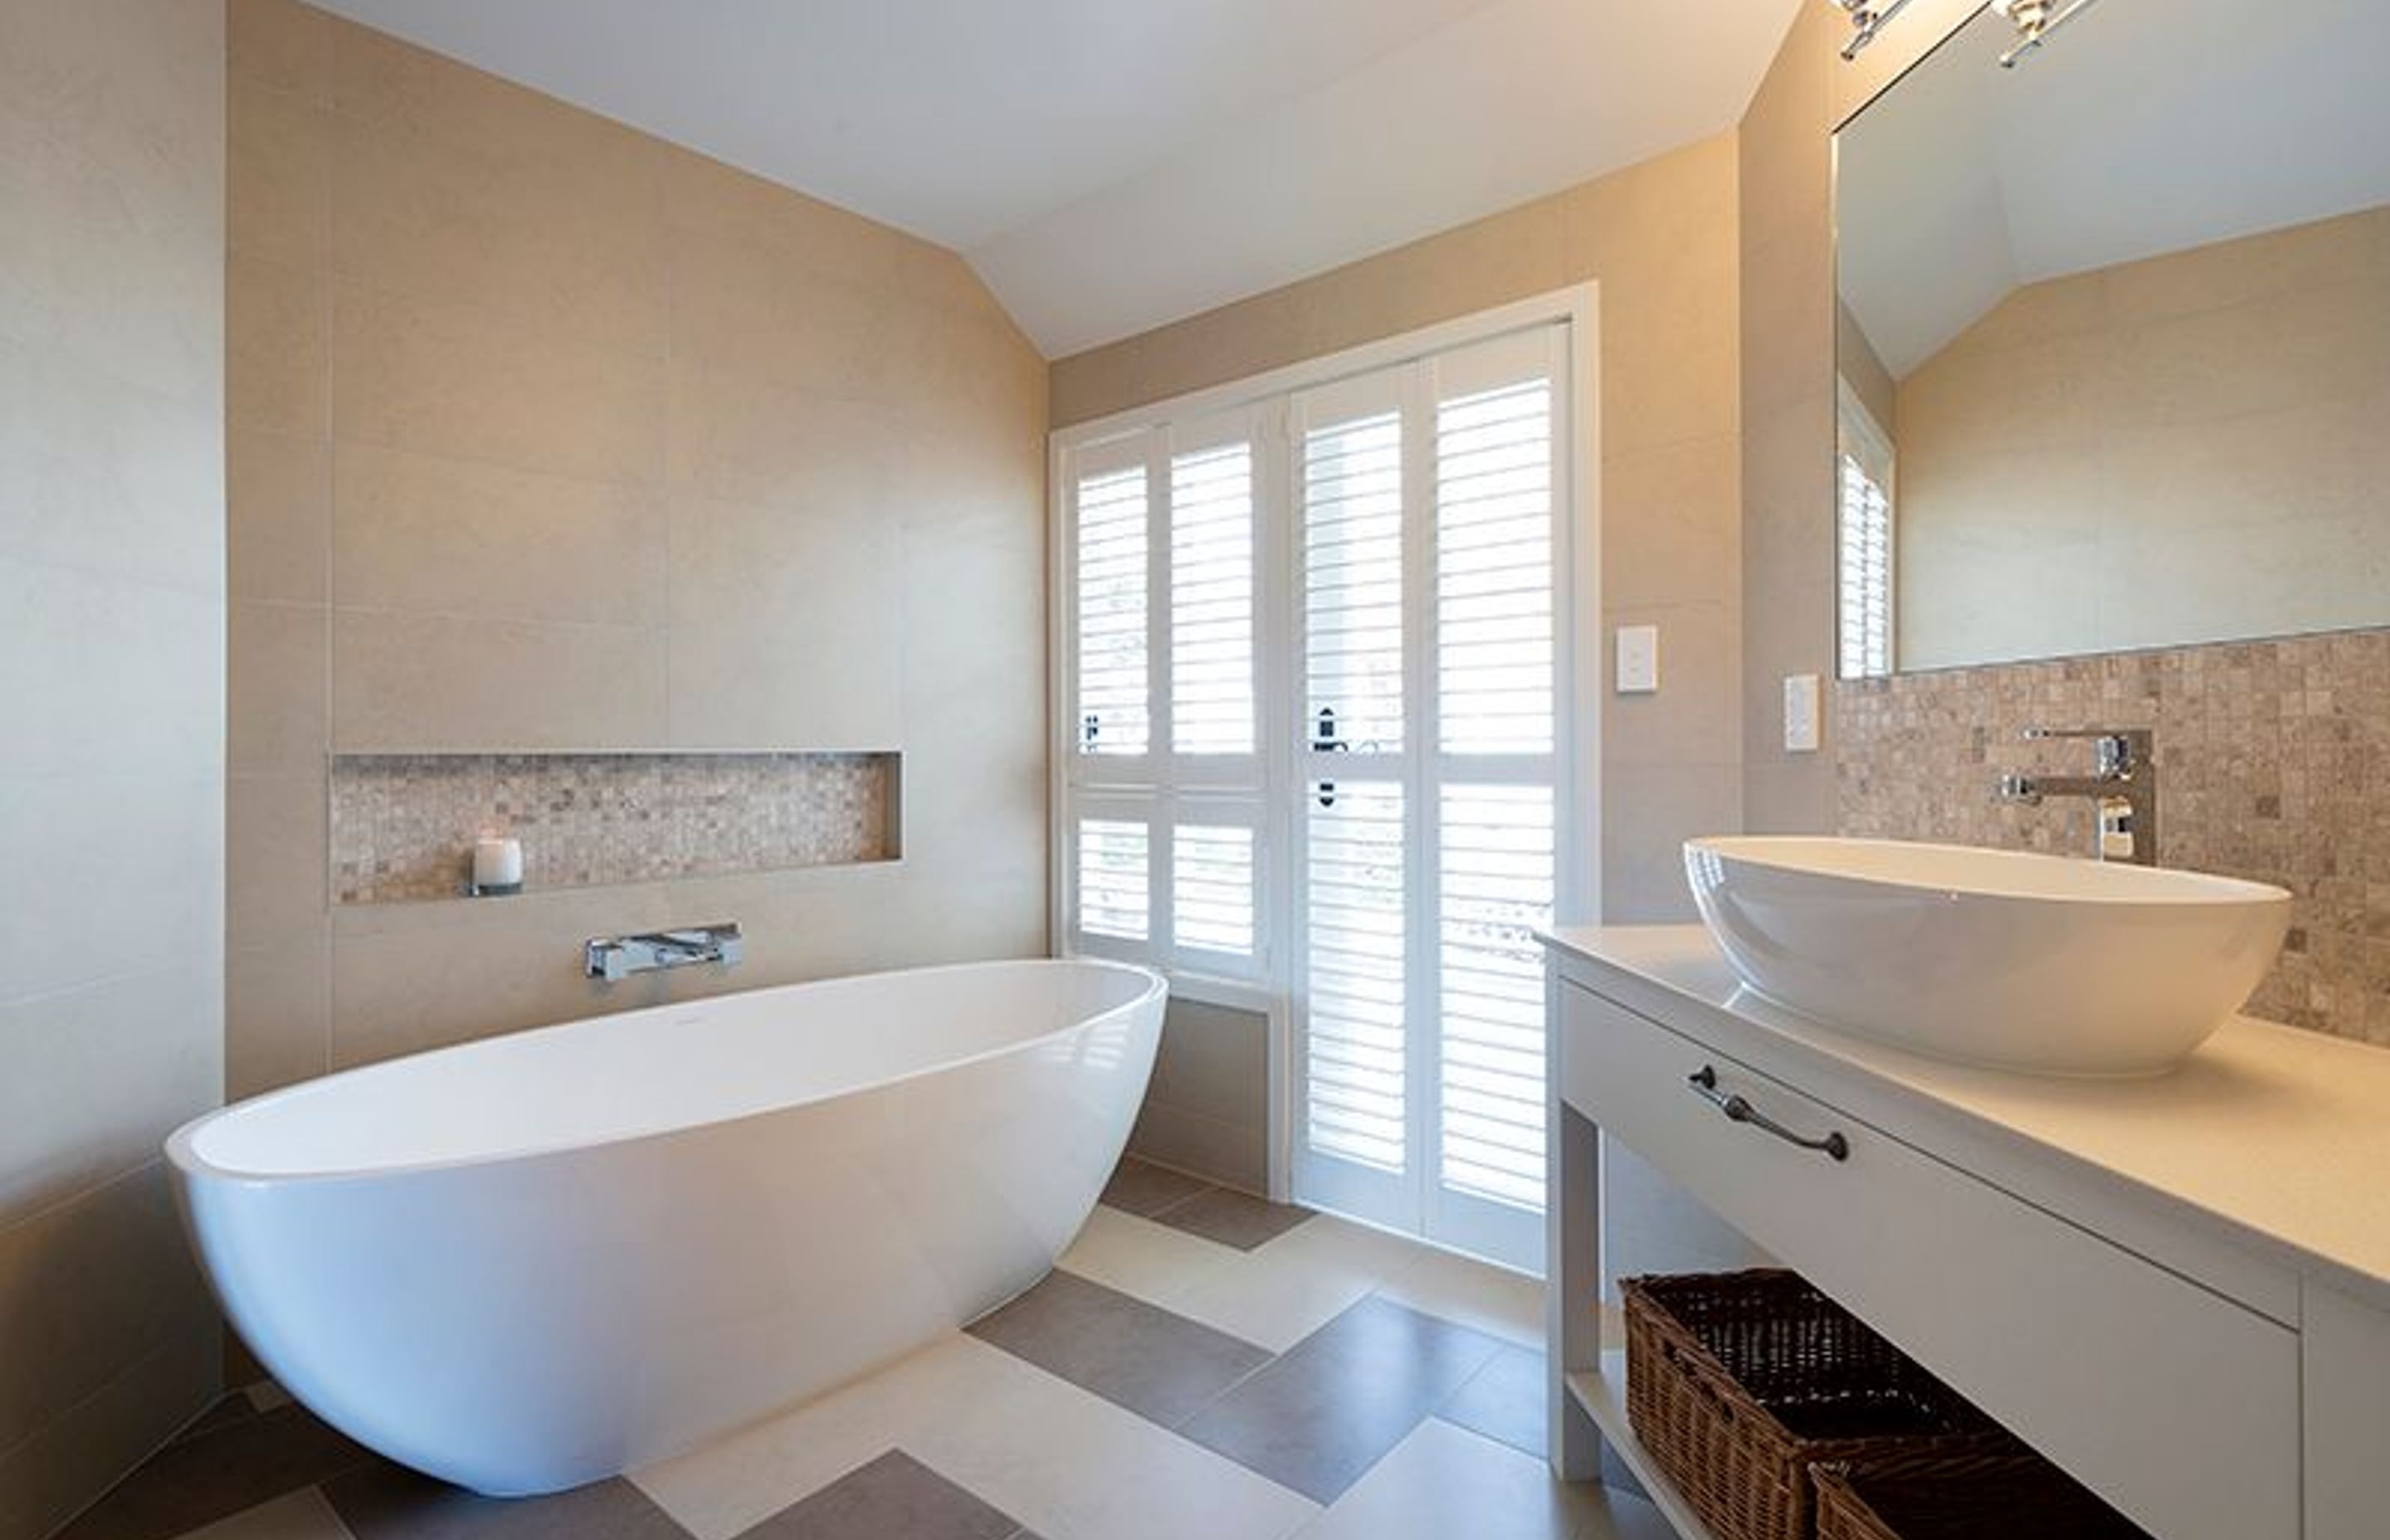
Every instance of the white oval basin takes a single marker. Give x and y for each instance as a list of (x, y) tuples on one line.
[(1994, 958)]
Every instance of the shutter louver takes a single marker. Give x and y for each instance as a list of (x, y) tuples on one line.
[(1495, 636), (1353, 582), (1211, 887), (1113, 715), (1493, 892), (1353, 992), (1211, 601), (1866, 586), (1114, 894)]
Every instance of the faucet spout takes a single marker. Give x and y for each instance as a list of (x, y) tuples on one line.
[(2122, 789)]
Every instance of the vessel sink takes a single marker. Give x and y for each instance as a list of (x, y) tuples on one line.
[(2017, 961)]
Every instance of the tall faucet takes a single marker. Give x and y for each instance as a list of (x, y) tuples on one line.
[(2122, 790)]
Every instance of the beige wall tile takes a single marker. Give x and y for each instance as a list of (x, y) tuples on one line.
[(1647, 813), (1696, 716), (276, 883), (1672, 524), (97, 1077), (51, 1475), (1214, 1061), (278, 686), (282, 45), (476, 385), (755, 439), (122, 870), (278, 178), (426, 534), (278, 350), (432, 683), (278, 517), (1232, 1153), (279, 1013)]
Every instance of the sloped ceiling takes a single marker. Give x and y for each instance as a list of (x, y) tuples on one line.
[(2141, 129), (1110, 166)]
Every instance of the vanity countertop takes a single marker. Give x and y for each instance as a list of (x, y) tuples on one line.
[(2278, 1136)]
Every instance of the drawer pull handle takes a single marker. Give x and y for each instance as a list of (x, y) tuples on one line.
[(1704, 1083)]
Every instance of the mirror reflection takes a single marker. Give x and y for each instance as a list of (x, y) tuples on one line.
[(2114, 337)]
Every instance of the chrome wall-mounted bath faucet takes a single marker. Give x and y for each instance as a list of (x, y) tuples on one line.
[(614, 959), (2122, 790)]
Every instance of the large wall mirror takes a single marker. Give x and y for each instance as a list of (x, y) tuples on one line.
[(2114, 336)]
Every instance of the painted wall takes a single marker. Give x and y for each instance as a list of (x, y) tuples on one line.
[(111, 768), (547, 435), (2180, 450)]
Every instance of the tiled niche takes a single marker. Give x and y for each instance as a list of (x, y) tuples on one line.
[(2273, 764), (402, 826)]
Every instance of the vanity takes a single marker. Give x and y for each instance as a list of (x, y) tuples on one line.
[(2177, 1288)]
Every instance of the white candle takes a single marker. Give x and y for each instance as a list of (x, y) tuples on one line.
[(497, 862)]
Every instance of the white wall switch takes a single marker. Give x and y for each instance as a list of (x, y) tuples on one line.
[(1638, 660), (1800, 713)]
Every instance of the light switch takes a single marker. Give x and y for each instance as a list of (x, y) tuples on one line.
[(1638, 660), (1800, 713)]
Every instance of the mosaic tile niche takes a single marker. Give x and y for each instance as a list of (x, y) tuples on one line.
[(403, 825), (2273, 764)]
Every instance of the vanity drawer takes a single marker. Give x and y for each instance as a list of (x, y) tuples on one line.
[(2179, 1405)]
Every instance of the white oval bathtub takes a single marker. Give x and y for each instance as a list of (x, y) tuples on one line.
[(535, 1260)]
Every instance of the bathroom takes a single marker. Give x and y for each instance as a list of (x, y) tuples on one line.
[(608, 518)]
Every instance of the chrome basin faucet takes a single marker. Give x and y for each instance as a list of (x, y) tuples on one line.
[(614, 959), (2122, 790)]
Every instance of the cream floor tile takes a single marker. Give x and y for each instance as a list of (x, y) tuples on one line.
[(1138, 1256), (1445, 1480), (1063, 1462), (301, 1515), (1472, 1293), (1281, 1292)]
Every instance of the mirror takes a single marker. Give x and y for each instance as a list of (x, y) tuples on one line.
[(2114, 336)]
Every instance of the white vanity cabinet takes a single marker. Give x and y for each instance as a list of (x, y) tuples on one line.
[(2104, 1266)]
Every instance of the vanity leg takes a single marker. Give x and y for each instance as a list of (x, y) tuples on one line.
[(1572, 1275)]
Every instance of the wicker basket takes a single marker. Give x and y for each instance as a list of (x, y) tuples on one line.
[(1738, 1382), (1961, 1497)]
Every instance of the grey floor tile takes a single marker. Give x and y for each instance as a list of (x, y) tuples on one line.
[(1160, 1366), (1504, 1400), (1145, 1189), (229, 1409), (214, 1475), (1335, 1403), (1232, 1218), (382, 1501), (893, 1497)]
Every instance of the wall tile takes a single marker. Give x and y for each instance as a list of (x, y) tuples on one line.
[(278, 350), (415, 682), (278, 188), (121, 872), (281, 46), (104, 674), (473, 384), (97, 1077), (1647, 813), (1672, 525), (428, 536), (276, 706), (278, 886), (1696, 716), (279, 531), (48, 1476), (278, 1012)]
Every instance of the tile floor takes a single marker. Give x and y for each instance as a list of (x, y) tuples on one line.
[(1202, 1364)]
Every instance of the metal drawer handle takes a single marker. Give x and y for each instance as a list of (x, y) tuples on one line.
[(1704, 1083)]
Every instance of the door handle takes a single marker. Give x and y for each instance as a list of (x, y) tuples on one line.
[(1704, 1083)]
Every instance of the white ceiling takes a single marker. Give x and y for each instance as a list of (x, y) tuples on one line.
[(2142, 128), (1108, 165)]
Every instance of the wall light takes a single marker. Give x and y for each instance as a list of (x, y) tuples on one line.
[(1868, 17), (2034, 20)]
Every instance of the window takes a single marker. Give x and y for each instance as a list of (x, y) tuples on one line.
[(1864, 541), (1329, 782)]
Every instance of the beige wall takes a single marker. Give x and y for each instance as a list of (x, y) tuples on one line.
[(1659, 238), (1207, 1109), (547, 435), (2183, 449), (112, 766)]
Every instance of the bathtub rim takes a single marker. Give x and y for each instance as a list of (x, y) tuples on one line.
[(180, 1147)]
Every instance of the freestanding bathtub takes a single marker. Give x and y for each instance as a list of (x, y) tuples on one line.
[(535, 1260)]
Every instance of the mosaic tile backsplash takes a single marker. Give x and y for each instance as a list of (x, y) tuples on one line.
[(403, 825), (2273, 764)]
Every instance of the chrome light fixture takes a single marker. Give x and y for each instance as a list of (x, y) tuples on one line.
[(1868, 17), (2034, 20)]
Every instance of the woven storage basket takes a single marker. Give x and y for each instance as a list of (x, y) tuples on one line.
[(1738, 1382), (1961, 1497)]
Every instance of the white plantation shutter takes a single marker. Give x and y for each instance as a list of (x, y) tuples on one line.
[(1864, 541), (1114, 879), (1495, 850), (1211, 601), (1113, 715), (1495, 636), (1353, 587), (1211, 889), (1356, 1042)]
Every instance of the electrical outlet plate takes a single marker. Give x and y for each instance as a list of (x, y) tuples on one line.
[(1801, 711), (1638, 660)]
